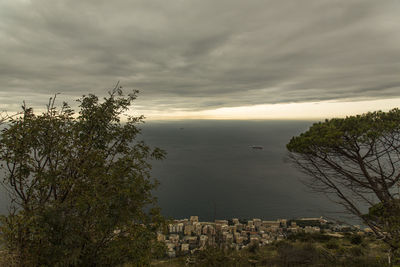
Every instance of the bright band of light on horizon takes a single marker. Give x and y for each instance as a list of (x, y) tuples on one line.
[(294, 111)]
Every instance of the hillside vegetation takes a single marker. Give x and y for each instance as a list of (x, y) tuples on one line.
[(298, 250)]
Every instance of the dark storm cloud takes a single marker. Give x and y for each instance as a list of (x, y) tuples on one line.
[(196, 55)]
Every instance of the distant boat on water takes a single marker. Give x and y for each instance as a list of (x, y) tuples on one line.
[(257, 147)]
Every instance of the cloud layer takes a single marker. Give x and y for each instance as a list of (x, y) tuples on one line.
[(200, 54)]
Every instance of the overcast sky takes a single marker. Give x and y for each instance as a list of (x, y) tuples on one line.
[(198, 58)]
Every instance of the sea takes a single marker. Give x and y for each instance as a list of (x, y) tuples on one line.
[(212, 171)]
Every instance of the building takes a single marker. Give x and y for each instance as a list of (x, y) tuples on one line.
[(194, 219)]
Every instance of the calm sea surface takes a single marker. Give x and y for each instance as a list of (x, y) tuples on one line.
[(211, 170)]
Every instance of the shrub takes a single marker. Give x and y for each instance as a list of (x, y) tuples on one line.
[(332, 244), (356, 239)]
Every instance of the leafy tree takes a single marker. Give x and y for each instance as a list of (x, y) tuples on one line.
[(356, 162), (80, 185)]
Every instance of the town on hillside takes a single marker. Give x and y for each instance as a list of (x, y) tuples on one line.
[(190, 235)]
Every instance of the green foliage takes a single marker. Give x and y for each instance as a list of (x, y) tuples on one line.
[(354, 160), (356, 239), (332, 244), (293, 253), (80, 185), (253, 248), (313, 237), (334, 133), (216, 257), (387, 216), (356, 251)]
